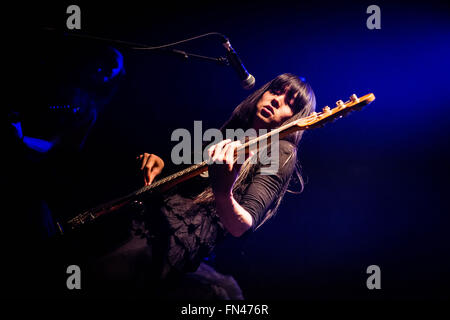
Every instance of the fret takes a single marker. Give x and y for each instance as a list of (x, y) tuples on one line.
[(312, 121)]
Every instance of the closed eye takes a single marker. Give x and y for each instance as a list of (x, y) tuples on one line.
[(276, 92)]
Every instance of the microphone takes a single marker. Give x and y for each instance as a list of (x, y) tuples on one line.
[(247, 80)]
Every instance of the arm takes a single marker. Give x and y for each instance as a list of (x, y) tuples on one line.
[(39, 145), (259, 196), (36, 144), (223, 173), (233, 216), (73, 134)]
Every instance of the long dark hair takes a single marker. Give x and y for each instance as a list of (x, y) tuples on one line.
[(242, 118)]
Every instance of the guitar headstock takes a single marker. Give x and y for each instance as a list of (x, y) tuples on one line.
[(341, 110)]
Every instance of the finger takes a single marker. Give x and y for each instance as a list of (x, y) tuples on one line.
[(228, 152), (220, 155), (148, 169), (144, 160), (218, 150), (152, 170), (150, 163), (210, 153), (151, 177), (221, 145), (229, 155)]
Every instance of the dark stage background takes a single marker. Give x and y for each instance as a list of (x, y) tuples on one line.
[(377, 181)]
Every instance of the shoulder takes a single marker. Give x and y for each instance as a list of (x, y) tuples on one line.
[(287, 148), (287, 152), (279, 160)]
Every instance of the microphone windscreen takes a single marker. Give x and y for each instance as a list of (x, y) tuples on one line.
[(249, 82)]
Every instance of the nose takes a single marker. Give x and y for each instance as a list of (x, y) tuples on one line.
[(275, 103)]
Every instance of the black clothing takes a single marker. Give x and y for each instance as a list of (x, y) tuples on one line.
[(177, 233), (195, 229), (263, 190)]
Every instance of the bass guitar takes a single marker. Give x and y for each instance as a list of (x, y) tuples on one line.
[(312, 121)]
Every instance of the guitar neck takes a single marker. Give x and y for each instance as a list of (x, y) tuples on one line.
[(164, 184)]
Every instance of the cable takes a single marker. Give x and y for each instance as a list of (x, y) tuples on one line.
[(137, 46), (181, 41)]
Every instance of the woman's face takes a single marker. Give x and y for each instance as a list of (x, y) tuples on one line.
[(272, 110)]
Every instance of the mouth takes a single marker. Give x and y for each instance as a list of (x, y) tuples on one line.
[(267, 111)]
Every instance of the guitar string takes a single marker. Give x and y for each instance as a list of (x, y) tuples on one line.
[(317, 117), (83, 216)]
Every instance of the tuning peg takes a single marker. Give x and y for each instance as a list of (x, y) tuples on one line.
[(354, 98), (326, 109), (340, 103)]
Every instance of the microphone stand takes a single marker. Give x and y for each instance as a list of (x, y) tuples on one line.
[(130, 45), (186, 55)]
